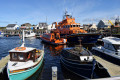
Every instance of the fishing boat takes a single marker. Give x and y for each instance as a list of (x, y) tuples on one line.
[(24, 62), (29, 33), (71, 30), (53, 38), (110, 49), (80, 61), (1, 34)]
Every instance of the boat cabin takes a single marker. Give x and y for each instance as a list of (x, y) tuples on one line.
[(52, 36), (68, 25), (77, 55), (23, 54), (112, 43)]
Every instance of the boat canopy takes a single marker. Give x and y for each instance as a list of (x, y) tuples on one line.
[(111, 40)]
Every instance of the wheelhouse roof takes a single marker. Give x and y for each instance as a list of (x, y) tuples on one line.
[(111, 40), (28, 49)]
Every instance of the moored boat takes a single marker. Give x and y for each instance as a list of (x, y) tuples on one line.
[(53, 38), (110, 50), (71, 30), (80, 61), (1, 34), (29, 33), (24, 62)]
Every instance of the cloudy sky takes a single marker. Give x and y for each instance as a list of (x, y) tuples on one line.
[(35, 11)]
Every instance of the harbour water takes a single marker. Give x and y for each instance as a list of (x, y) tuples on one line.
[(52, 57)]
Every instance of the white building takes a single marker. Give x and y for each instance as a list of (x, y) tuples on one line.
[(105, 23), (50, 27), (12, 26), (93, 27), (41, 26)]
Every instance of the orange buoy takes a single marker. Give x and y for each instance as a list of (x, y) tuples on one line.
[(20, 48)]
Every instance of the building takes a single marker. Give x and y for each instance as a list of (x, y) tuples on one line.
[(42, 26), (105, 23), (12, 26), (26, 26), (93, 27), (86, 26), (50, 27)]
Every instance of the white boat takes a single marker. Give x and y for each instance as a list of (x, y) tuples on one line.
[(110, 50), (24, 62), (1, 34), (29, 33)]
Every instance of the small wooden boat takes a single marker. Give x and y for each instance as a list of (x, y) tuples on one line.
[(53, 38), (24, 62), (81, 62)]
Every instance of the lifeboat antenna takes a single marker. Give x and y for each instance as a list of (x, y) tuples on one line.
[(23, 44)]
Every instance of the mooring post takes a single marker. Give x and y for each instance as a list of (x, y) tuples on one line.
[(54, 73)]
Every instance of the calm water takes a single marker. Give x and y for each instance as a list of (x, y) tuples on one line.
[(52, 57)]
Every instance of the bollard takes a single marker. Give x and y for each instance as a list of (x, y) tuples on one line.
[(54, 73)]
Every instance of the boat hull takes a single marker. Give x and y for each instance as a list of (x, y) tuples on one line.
[(24, 74), (82, 70), (47, 41), (107, 56), (85, 37)]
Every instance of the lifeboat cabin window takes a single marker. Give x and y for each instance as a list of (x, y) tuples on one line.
[(73, 25), (70, 25)]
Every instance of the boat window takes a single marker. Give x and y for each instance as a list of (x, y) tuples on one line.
[(21, 57), (63, 26), (73, 25), (70, 25), (108, 46), (117, 47), (14, 56), (76, 25)]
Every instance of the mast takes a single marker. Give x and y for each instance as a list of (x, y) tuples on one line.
[(23, 44)]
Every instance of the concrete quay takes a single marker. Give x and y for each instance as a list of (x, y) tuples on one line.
[(113, 69), (3, 63)]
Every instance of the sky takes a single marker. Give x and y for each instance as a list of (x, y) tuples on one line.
[(35, 11)]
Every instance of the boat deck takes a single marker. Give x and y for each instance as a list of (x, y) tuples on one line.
[(113, 69), (3, 62)]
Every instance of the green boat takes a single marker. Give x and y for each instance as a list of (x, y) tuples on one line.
[(24, 62)]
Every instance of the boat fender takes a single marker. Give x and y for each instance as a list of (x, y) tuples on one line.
[(64, 40)]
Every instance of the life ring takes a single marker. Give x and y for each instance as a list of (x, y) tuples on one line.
[(20, 48)]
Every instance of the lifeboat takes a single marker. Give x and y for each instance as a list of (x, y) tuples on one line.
[(71, 30), (53, 38)]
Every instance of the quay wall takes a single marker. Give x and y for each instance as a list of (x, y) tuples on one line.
[(17, 32)]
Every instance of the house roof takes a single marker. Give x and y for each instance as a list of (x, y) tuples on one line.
[(26, 24), (11, 25)]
